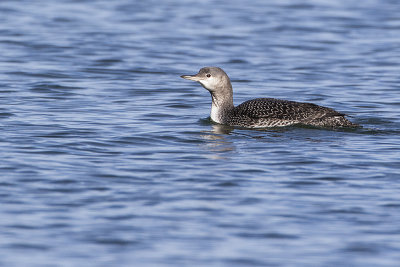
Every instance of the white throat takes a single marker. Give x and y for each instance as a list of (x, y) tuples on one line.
[(221, 94), (215, 113)]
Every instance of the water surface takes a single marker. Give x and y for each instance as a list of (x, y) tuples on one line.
[(108, 157)]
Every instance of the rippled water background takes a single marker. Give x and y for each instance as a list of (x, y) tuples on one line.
[(108, 158)]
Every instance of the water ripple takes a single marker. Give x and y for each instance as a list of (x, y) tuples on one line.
[(106, 149)]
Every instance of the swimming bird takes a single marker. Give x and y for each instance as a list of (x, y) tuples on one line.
[(261, 112)]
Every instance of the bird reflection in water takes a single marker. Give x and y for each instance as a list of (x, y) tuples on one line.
[(216, 140)]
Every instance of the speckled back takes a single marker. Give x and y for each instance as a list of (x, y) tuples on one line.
[(270, 112)]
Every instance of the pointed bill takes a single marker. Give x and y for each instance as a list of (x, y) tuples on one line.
[(195, 78)]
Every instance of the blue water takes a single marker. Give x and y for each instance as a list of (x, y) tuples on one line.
[(108, 157)]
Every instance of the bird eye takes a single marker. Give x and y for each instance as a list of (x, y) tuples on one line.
[(208, 75)]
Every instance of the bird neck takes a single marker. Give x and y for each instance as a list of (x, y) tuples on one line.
[(222, 104)]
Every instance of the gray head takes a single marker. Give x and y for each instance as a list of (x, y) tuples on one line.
[(214, 79)]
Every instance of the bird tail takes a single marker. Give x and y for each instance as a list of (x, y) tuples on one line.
[(334, 121)]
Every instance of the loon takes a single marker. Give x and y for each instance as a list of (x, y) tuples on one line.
[(261, 112)]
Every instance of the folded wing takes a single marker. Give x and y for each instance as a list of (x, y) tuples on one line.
[(271, 108)]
